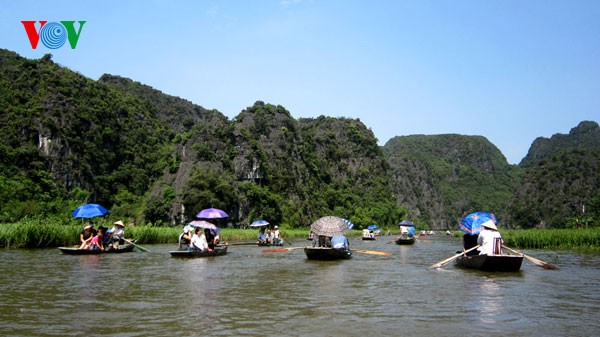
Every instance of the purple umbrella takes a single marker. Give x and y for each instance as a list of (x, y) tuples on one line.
[(211, 213)]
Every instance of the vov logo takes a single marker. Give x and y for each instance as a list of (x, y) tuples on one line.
[(53, 34)]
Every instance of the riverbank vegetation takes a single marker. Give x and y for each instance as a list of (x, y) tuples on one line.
[(42, 233)]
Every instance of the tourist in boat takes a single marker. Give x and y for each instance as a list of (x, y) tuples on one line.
[(262, 237), (489, 239), (118, 233), (199, 241), (340, 242), (185, 239), (470, 241), (323, 241), (87, 232), (269, 237), (95, 242), (210, 238), (276, 236)]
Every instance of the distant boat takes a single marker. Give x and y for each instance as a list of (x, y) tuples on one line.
[(501, 263), (126, 248), (219, 250), (326, 253)]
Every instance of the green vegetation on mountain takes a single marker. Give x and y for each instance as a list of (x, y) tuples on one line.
[(157, 159), (444, 177)]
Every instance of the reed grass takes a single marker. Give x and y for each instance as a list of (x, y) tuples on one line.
[(553, 238), (44, 232)]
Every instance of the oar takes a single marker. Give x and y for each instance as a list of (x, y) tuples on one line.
[(137, 246), (253, 243), (281, 250), (533, 260), (450, 259), (372, 252), (393, 240)]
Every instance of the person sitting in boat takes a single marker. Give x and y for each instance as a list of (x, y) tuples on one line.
[(276, 236), (210, 238), (185, 238), (322, 241), (199, 241), (489, 239), (404, 232), (262, 237), (118, 233), (269, 237), (95, 242), (366, 233), (340, 242), (87, 232), (470, 241)]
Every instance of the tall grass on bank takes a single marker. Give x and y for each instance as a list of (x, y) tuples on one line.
[(552, 238), (42, 232)]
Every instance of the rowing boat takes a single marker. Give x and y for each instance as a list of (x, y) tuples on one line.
[(126, 248), (504, 263), (326, 253), (406, 241), (221, 250)]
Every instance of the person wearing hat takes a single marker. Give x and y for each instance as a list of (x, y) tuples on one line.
[(490, 240), (276, 236), (118, 233), (185, 239), (87, 232)]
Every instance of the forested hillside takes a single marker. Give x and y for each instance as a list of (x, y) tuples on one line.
[(157, 159), (442, 178)]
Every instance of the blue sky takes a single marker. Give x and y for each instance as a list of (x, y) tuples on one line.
[(510, 71)]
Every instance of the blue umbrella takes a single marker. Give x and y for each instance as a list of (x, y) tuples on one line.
[(371, 227), (350, 224), (211, 213), (89, 211), (259, 223), (471, 224)]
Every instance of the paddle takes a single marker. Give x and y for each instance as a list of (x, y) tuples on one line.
[(393, 240), (372, 252), (448, 260), (137, 246), (533, 260), (281, 250), (250, 243)]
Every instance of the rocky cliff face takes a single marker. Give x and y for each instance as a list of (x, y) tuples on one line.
[(444, 177)]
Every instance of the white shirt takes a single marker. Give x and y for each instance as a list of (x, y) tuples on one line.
[(487, 240), (199, 241), (118, 232)]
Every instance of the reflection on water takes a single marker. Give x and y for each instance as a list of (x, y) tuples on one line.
[(283, 294), (489, 300)]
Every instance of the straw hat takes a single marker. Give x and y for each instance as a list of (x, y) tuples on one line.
[(119, 223), (489, 224)]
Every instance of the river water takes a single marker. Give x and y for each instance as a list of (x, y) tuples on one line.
[(249, 293)]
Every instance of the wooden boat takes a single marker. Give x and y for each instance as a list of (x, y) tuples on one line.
[(221, 250), (504, 263), (326, 253), (369, 238), (126, 248), (406, 241)]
